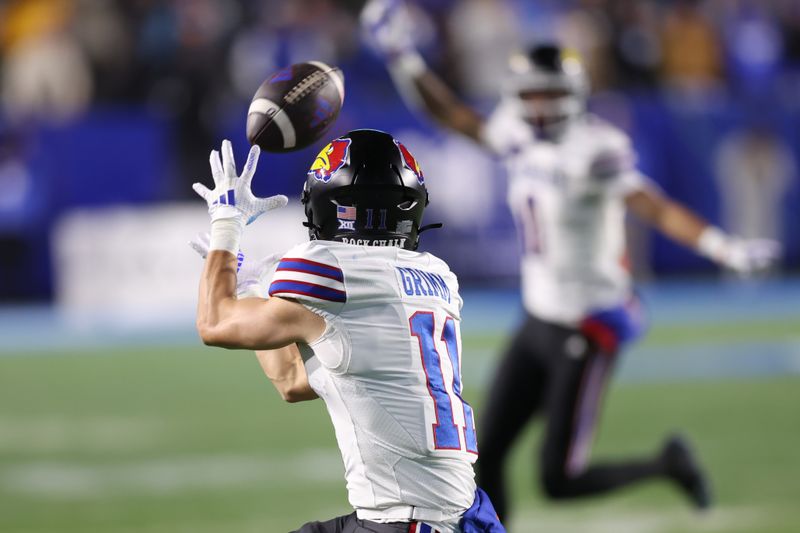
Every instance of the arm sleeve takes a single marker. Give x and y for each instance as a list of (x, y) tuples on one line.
[(310, 274)]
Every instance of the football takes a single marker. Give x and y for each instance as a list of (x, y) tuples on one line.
[(295, 106)]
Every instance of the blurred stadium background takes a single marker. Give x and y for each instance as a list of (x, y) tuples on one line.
[(114, 418)]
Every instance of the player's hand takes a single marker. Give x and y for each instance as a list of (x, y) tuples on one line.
[(249, 273), (750, 256), (388, 28), (232, 197)]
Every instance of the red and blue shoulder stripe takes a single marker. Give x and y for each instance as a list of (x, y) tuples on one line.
[(288, 287), (298, 277), (293, 264)]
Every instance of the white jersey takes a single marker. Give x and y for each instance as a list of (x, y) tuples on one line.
[(568, 201), (388, 368)]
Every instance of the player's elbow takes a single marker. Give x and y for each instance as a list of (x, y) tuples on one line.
[(297, 393), (291, 396), (208, 336), (213, 335), (204, 331)]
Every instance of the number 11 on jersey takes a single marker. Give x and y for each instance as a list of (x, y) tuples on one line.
[(446, 434)]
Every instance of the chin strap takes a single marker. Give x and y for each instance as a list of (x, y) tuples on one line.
[(314, 229), (437, 225)]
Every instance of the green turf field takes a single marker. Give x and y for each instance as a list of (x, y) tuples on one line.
[(195, 440)]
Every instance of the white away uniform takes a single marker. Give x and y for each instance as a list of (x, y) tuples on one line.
[(388, 369), (567, 199)]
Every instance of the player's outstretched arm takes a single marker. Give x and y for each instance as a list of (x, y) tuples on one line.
[(743, 256), (249, 323), (387, 26), (271, 327), (283, 366), (222, 319)]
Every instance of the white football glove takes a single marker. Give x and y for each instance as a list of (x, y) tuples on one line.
[(745, 257), (388, 28), (252, 276), (232, 198), (749, 256)]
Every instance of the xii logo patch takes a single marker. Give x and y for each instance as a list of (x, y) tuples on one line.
[(346, 215)]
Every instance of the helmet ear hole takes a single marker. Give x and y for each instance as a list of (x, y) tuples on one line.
[(407, 205)]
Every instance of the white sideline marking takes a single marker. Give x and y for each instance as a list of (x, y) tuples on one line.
[(613, 519), (74, 480), (256, 521), (95, 433)]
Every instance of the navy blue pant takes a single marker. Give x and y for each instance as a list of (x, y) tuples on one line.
[(351, 524), (559, 373), (481, 517)]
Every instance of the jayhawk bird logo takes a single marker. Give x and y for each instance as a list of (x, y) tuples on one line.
[(330, 159)]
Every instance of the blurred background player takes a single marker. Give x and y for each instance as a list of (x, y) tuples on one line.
[(572, 178), (376, 324)]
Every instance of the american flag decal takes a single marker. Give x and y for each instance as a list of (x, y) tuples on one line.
[(344, 212)]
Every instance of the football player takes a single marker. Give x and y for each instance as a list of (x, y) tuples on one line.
[(572, 177), (359, 318)]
